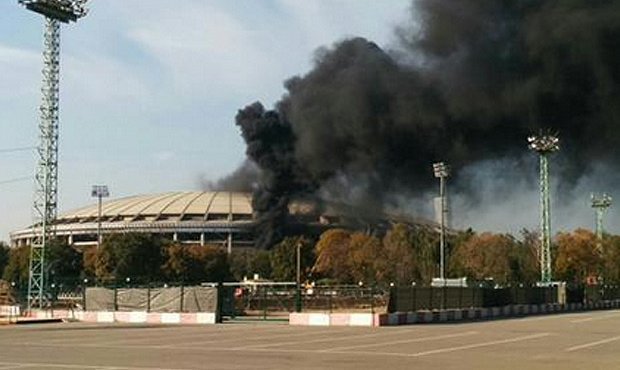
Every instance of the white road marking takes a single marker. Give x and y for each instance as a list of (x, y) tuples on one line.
[(414, 340), (262, 337), (594, 318), (47, 365), (173, 338), (329, 339), (541, 317), (478, 345), (582, 320), (592, 344)]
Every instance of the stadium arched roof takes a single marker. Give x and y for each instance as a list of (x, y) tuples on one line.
[(203, 217), (179, 206)]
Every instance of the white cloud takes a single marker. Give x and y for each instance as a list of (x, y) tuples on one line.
[(320, 20), (101, 80), (205, 49), (20, 70)]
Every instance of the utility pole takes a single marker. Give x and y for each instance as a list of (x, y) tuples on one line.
[(46, 176), (442, 171), (544, 145)]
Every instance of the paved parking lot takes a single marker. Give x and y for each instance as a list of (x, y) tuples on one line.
[(569, 341)]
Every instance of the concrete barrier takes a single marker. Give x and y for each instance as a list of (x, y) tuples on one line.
[(439, 316), (9, 311), (132, 317)]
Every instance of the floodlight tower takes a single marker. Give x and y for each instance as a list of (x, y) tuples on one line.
[(442, 171), (600, 205), (46, 176), (544, 145)]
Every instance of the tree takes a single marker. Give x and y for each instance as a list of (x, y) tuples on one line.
[(246, 263), (426, 246), (176, 260), (524, 261), (18, 266), (284, 259), (399, 264), (133, 255), (577, 256), (611, 255), (484, 256), (89, 262), (4, 257), (195, 264), (365, 256), (332, 255), (63, 263)]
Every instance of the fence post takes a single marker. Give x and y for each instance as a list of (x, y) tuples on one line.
[(148, 297), (372, 300), (84, 295), (264, 298), (473, 297), (329, 300), (115, 298), (298, 297), (220, 303), (443, 296), (182, 295)]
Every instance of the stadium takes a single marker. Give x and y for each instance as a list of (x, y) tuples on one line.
[(219, 218), (222, 218)]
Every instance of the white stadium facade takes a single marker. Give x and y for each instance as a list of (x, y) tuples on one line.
[(203, 217)]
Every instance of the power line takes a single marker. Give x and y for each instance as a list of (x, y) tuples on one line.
[(17, 179), (18, 149)]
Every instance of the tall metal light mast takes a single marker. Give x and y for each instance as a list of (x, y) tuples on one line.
[(46, 176), (442, 171), (544, 145), (600, 205)]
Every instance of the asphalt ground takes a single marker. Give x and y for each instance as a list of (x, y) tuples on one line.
[(587, 340)]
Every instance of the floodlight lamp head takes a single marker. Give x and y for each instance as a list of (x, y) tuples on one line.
[(441, 169), (100, 191), (603, 202), (544, 143), (61, 10)]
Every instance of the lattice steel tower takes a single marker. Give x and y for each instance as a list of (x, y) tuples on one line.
[(544, 145), (46, 176), (600, 205)]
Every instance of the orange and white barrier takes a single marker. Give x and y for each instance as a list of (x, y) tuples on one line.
[(440, 316), (134, 317)]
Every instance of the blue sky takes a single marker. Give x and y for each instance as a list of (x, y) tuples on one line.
[(149, 88)]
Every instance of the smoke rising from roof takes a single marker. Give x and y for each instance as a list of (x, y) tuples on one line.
[(468, 82)]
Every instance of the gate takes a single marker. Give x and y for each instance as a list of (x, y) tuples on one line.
[(262, 301)]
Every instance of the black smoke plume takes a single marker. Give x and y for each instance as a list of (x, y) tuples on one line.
[(469, 81)]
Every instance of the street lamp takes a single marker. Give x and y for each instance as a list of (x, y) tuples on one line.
[(442, 171), (544, 145), (99, 191)]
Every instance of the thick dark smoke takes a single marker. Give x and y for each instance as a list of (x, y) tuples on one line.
[(270, 144), (469, 81)]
